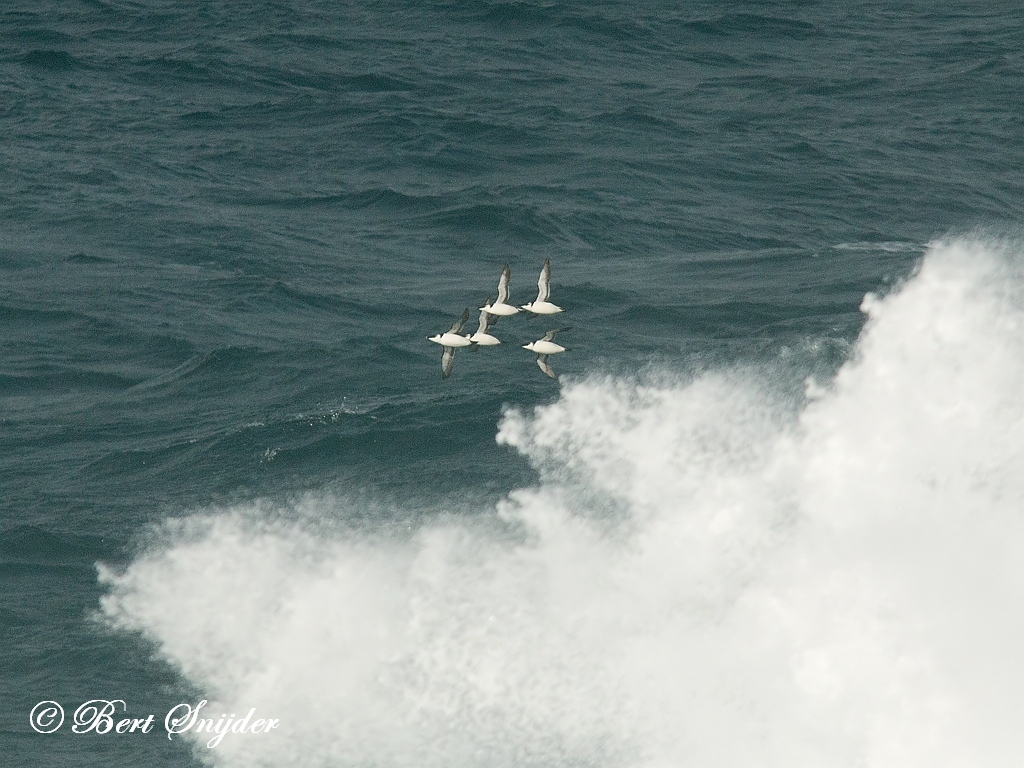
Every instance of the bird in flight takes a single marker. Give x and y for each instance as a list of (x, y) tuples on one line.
[(541, 306), (450, 340), (545, 347)]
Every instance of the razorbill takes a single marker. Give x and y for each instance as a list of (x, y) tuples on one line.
[(501, 305), (542, 306), (482, 337), (544, 347), (450, 340)]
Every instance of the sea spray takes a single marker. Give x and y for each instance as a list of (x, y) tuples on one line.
[(704, 576)]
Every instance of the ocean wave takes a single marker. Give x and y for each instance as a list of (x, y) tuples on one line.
[(709, 572)]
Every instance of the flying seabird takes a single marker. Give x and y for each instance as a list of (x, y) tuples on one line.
[(482, 337), (501, 305), (450, 340), (542, 306), (544, 347)]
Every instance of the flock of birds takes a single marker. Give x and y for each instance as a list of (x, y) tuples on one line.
[(489, 314)]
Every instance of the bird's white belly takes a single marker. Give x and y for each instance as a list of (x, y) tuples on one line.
[(503, 310), (547, 348), (544, 308), (484, 339), (451, 340)]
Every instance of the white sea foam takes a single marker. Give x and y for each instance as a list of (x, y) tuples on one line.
[(705, 576)]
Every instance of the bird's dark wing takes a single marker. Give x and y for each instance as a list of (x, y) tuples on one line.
[(542, 361), (457, 328), (550, 335), (486, 320), (447, 362), (506, 273), (544, 283)]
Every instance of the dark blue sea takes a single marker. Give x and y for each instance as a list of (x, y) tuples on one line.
[(769, 513)]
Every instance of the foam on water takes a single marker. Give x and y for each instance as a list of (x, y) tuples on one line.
[(706, 575)]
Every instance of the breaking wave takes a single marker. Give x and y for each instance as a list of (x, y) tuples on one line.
[(707, 574)]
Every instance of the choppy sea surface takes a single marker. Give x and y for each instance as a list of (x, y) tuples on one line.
[(771, 512)]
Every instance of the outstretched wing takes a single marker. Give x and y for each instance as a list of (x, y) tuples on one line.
[(550, 335), (447, 362), (506, 273), (457, 328), (544, 283), (542, 361), (486, 320)]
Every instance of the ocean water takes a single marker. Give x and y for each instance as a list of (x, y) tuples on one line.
[(771, 513)]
